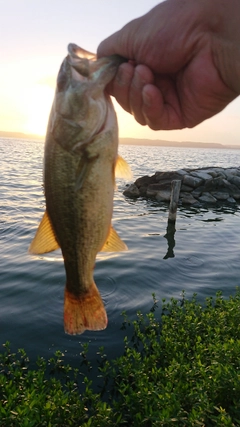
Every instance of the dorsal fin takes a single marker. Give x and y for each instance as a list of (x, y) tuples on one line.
[(45, 239)]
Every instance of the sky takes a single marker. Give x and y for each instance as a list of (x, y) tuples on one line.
[(34, 35)]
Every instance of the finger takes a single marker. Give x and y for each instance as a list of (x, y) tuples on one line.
[(152, 108), (121, 42), (108, 46), (159, 114), (120, 85), (142, 76)]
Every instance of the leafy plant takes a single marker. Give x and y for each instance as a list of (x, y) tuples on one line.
[(180, 367)]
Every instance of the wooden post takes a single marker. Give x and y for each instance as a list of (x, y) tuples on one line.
[(176, 185)]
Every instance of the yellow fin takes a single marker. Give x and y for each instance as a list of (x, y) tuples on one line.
[(122, 169), (44, 240), (114, 243)]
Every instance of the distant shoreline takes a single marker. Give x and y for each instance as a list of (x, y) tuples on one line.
[(134, 141), (179, 144), (21, 135)]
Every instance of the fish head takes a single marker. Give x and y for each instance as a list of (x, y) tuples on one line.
[(81, 105)]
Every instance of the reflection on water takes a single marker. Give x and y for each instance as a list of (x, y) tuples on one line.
[(200, 255), (171, 230), (212, 220)]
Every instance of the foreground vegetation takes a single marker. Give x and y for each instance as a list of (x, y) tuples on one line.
[(181, 367)]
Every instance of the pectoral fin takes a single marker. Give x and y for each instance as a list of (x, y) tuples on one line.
[(122, 169), (114, 243), (44, 240), (83, 170)]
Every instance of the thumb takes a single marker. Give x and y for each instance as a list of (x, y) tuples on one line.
[(111, 46), (121, 42)]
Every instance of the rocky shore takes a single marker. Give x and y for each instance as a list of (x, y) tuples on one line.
[(210, 185)]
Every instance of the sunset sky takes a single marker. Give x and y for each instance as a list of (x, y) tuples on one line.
[(33, 42)]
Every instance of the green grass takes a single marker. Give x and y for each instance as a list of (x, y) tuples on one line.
[(180, 367)]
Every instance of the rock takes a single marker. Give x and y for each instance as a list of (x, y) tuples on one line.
[(153, 189), (197, 192), (186, 188), (183, 194), (215, 171), (213, 184), (143, 191), (131, 191), (234, 180), (231, 200), (205, 185), (207, 198), (221, 175), (229, 187), (164, 183), (231, 172), (163, 196), (236, 195), (212, 172), (220, 195), (168, 176), (188, 199), (201, 175), (145, 181), (192, 181), (181, 172)]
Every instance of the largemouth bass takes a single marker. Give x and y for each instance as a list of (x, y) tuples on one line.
[(80, 163)]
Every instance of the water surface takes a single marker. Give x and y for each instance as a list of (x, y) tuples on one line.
[(203, 258)]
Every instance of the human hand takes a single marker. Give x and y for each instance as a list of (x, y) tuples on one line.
[(184, 62)]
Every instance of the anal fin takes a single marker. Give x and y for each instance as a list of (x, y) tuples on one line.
[(44, 240), (114, 243), (84, 312)]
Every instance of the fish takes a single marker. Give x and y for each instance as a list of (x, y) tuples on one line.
[(81, 163)]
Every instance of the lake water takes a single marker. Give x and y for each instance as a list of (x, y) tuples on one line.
[(206, 252)]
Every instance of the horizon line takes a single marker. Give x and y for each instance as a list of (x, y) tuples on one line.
[(132, 141)]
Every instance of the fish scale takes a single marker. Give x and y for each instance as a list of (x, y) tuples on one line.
[(80, 163)]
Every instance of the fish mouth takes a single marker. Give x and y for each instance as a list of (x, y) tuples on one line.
[(87, 65), (81, 66), (77, 52), (82, 108)]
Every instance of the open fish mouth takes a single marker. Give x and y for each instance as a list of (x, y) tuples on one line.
[(86, 63)]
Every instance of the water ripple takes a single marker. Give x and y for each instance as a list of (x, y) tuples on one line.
[(204, 250)]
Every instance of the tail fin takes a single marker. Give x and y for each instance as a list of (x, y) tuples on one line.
[(84, 312)]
